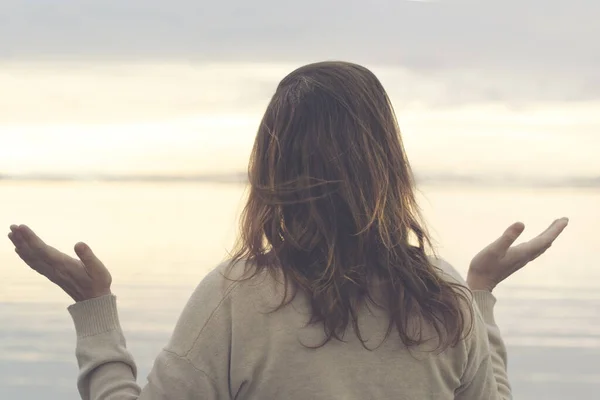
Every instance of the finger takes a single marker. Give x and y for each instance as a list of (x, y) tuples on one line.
[(551, 233), (15, 236), (18, 242), (510, 235), (38, 248), (544, 240), (17, 239), (92, 264), (557, 227), (30, 237), (41, 258), (26, 255), (22, 255)]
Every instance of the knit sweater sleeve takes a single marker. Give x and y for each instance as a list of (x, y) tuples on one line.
[(107, 368), (486, 376)]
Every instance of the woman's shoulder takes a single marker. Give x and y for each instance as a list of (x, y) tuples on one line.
[(239, 283), (227, 291), (447, 271)]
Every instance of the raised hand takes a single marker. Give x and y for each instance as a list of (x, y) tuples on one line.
[(81, 279), (499, 260)]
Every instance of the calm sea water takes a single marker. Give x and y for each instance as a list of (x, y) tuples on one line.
[(159, 240)]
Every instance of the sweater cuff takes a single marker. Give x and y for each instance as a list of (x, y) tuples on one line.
[(485, 302), (95, 316)]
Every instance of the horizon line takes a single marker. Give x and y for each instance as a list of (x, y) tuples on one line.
[(241, 178)]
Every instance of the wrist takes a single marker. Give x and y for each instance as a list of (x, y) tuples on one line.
[(93, 295), (480, 283), (95, 316)]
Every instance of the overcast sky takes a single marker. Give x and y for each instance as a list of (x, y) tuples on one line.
[(555, 42), (452, 67)]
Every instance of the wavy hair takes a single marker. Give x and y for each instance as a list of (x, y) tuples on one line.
[(332, 209)]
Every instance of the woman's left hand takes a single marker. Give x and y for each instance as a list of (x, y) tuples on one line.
[(501, 259), (81, 279)]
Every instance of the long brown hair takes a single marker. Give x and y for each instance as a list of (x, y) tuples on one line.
[(332, 208)]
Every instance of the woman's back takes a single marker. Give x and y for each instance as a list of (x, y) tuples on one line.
[(332, 210), (230, 335)]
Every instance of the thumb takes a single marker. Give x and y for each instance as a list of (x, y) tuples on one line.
[(92, 263), (510, 235)]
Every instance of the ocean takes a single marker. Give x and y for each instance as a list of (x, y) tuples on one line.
[(160, 239)]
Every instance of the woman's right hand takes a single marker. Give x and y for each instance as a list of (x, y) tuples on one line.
[(500, 259), (82, 279)]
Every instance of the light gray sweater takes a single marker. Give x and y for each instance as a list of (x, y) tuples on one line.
[(227, 345)]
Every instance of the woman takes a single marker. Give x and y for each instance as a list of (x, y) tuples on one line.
[(332, 293)]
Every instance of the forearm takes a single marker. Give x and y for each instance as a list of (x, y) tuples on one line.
[(107, 369), (485, 302)]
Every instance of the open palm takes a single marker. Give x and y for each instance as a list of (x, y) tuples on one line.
[(500, 259), (81, 279)]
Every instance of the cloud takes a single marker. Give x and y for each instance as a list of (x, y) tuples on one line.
[(509, 50)]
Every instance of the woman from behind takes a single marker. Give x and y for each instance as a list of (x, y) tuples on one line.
[(333, 291)]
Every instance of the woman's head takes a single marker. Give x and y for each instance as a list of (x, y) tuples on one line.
[(332, 205)]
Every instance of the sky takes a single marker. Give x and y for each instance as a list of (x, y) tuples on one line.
[(479, 86)]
